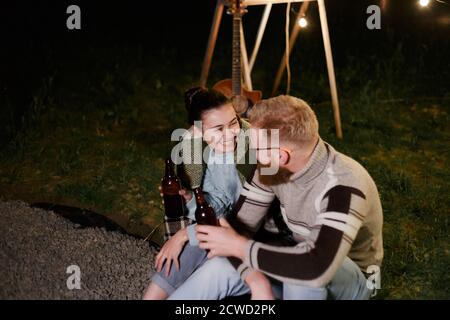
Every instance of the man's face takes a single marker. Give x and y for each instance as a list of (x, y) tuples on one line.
[(265, 148), (270, 155)]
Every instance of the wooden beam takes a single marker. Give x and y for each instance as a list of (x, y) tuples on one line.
[(211, 43), (262, 28), (264, 2), (330, 67)]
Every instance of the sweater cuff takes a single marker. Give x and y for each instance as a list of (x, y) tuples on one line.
[(193, 241), (250, 254), (244, 270)]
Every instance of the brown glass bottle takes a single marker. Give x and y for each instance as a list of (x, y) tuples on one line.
[(204, 214), (170, 187)]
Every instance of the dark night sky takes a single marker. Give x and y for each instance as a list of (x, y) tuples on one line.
[(134, 20), (34, 34), (185, 24)]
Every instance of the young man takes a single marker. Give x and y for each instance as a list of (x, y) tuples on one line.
[(328, 200)]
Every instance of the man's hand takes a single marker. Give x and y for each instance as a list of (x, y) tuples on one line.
[(171, 251), (221, 241)]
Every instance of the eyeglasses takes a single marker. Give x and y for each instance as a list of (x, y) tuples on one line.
[(270, 148), (259, 149)]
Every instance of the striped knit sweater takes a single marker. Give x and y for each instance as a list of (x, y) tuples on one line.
[(332, 207)]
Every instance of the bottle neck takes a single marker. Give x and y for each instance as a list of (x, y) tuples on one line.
[(170, 172), (199, 197)]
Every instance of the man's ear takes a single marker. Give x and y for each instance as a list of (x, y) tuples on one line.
[(284, 157)]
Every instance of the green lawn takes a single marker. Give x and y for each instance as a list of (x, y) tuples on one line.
[(99, 143)]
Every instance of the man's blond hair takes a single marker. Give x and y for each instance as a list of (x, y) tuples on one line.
[(294, 118)]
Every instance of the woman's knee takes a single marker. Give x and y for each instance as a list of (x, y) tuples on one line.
[(218, 266)]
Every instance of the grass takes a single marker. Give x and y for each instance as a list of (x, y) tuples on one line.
[(98, 142), (407, 155)]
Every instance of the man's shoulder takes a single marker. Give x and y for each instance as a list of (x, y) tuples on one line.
[(347, 170)]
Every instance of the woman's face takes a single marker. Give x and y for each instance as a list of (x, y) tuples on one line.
[(220, 128)]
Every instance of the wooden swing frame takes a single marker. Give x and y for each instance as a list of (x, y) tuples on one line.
[(247, 65)]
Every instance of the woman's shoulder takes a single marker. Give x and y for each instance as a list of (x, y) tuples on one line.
[(245, 125), (190, 166)]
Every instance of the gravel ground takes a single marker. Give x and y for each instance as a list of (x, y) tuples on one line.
[(37, 247)]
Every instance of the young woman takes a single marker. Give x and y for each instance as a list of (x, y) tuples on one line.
[(221, 180)]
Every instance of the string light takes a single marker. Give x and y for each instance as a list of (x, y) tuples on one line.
[(302, 22), (424, 3)]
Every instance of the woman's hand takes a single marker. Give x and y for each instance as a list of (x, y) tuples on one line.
[(186, 194), (171, 251)]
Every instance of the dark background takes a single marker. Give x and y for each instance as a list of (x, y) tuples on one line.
[(36, 42)]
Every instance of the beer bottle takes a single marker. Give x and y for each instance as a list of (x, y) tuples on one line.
[(204, 214), (170, 186)]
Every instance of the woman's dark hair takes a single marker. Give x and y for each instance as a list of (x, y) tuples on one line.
[(199, 100)]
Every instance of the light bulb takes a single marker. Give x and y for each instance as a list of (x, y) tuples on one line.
[(302, 22), (424, 3)]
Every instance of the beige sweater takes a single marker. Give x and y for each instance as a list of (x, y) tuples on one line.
[(332, 207)]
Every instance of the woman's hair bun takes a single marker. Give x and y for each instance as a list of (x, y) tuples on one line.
[(199, 100), (190, 94)]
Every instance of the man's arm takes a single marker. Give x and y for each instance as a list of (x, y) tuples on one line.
[(249, 213), (252, 206), (315, 261)]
